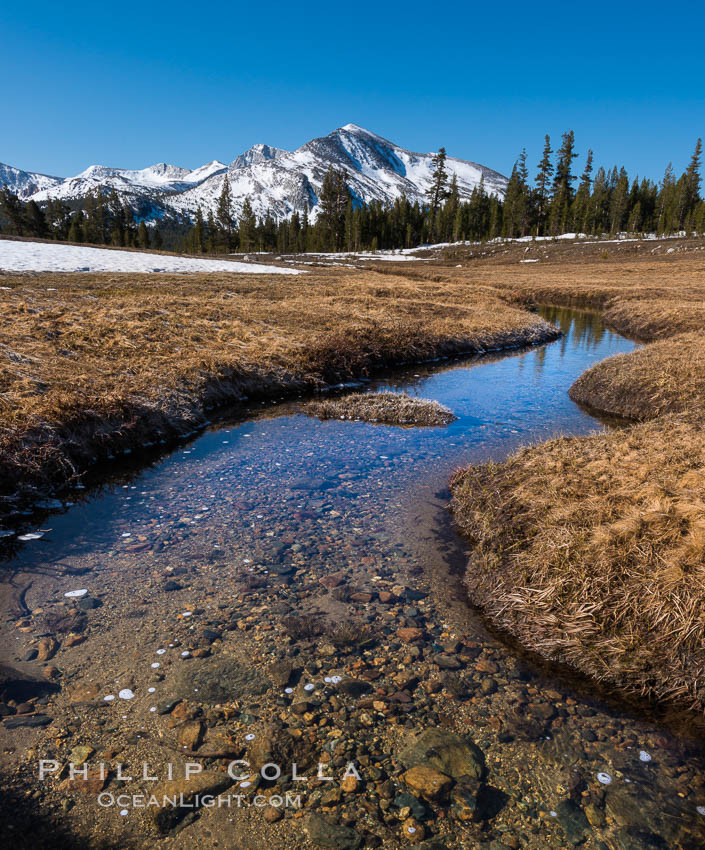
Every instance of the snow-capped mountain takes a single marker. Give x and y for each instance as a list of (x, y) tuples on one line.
[(25, 183), (276, 181)]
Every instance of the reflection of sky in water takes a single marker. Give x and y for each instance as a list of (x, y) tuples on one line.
[(232, 482)]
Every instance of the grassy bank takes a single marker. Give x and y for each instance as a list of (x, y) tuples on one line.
[(591, 550), (91, 365)]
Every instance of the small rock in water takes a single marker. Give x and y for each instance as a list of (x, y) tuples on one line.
[(88, 603), (74, 594), (126, 693)]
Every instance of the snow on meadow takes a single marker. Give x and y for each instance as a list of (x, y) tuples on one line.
[(57, 257)]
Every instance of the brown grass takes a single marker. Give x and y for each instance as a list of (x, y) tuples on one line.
[(92, 364), (663, 377), (592, 551), (384, 407)]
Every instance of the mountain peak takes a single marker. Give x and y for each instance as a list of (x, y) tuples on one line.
[(275, 181), (355, 129)]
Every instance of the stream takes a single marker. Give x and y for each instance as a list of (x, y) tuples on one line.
[(241, 525)]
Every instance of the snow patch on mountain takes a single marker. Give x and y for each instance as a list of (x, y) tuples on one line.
[(25, 183)]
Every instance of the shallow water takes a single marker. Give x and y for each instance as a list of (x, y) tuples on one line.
[(502, 401), (281, 486)]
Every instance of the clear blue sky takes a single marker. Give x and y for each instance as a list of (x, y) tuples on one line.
[(129, 84)]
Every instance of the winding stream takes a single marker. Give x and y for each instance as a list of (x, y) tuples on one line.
[(272, 489)]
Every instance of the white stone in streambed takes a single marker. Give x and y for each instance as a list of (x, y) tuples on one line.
[(109, 698), (604, 778), (126, 693), (74, 594), (31, 535), (644, 756)]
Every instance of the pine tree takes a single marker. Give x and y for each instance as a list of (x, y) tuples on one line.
[(199, 233), (688, 188), (543, 186), (248, 225), (12, 211), (618, 202), (582, 197), (516, 201), (438, 191), (76, 228), (333, 199), (562, 190), (143, 235), (224, 214), (667, 202)]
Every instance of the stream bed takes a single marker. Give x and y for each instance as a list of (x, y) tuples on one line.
[(309, 552)]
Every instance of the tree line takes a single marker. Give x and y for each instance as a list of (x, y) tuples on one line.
[(554, 201)]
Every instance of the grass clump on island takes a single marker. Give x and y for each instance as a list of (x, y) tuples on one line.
[(383, 407), (91, 364)]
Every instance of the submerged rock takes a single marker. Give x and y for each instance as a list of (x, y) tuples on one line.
[(216, 680), (451, 754), (323, 833)]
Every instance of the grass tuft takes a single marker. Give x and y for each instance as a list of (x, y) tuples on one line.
[(383, 407)]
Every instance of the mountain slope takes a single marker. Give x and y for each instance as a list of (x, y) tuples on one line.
[(377, 170), (25, 183), (276, 181)]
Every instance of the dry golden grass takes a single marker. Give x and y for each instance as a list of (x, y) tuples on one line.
[(384, 407), (592, 551), (663, 377), (94, 363)]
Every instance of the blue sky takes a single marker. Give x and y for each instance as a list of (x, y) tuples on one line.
[(131, 84)]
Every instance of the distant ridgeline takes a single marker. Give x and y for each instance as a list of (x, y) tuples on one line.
[(551, 204)]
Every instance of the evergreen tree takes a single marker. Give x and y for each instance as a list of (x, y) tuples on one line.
[(582, 196), (76, 228), (224, 215), (667, 202), (200, 232), (516, 201), (333, 201), (58, 217), (143, 235), (562, 190), (688, 188), (438, 191), (248, 225), (543, 187), (618, 202), (12, 210)]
